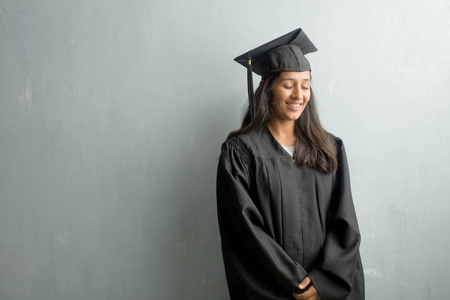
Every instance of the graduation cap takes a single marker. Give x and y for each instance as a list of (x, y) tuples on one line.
[(285, 53)]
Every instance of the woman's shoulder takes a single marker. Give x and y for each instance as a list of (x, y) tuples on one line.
[(248, 139), (246, 145), (236, 143), (251, 138)]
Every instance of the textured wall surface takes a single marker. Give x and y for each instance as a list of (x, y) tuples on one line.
[(112, 114)]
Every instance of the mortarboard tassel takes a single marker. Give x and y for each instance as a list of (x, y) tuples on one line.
[(251, 101)]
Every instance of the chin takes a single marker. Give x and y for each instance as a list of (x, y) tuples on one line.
[(294, 118)]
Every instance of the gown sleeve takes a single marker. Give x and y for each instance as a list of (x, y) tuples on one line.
[(253, 260), (339, 273)]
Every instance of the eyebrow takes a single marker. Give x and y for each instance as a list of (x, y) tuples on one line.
[(306, 79)]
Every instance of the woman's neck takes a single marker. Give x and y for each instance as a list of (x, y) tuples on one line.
[(283, 132)]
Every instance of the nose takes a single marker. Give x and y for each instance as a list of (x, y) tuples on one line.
[(297, 94)]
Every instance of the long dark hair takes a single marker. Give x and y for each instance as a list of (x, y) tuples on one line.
[(314, 146)]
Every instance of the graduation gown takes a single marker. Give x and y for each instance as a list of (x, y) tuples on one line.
[(280, 222)]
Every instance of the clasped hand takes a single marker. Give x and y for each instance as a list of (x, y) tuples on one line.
[(309, 294)]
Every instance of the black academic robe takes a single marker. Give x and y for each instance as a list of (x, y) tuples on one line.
[(280, 222)]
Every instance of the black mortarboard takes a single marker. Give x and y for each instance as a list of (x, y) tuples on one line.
[(285, 53)]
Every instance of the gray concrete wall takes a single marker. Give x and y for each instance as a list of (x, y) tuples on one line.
[(112, 114)]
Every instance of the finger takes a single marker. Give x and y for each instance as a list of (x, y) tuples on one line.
[(298, 296), (304, 283), (304, 296), (311, 293)]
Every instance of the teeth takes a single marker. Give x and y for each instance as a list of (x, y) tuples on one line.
[(294, 104)]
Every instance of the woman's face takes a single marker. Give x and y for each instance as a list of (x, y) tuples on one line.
[(290, 94)]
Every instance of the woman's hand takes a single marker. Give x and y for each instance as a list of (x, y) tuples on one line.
[(310, 294)]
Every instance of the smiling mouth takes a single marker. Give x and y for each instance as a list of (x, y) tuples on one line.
[(294, 105)]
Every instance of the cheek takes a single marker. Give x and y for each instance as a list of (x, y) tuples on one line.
[(277, 100), (306, 101), (308, 95), (276, 96)]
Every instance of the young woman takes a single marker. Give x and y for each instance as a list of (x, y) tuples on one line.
[(286, 214)]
